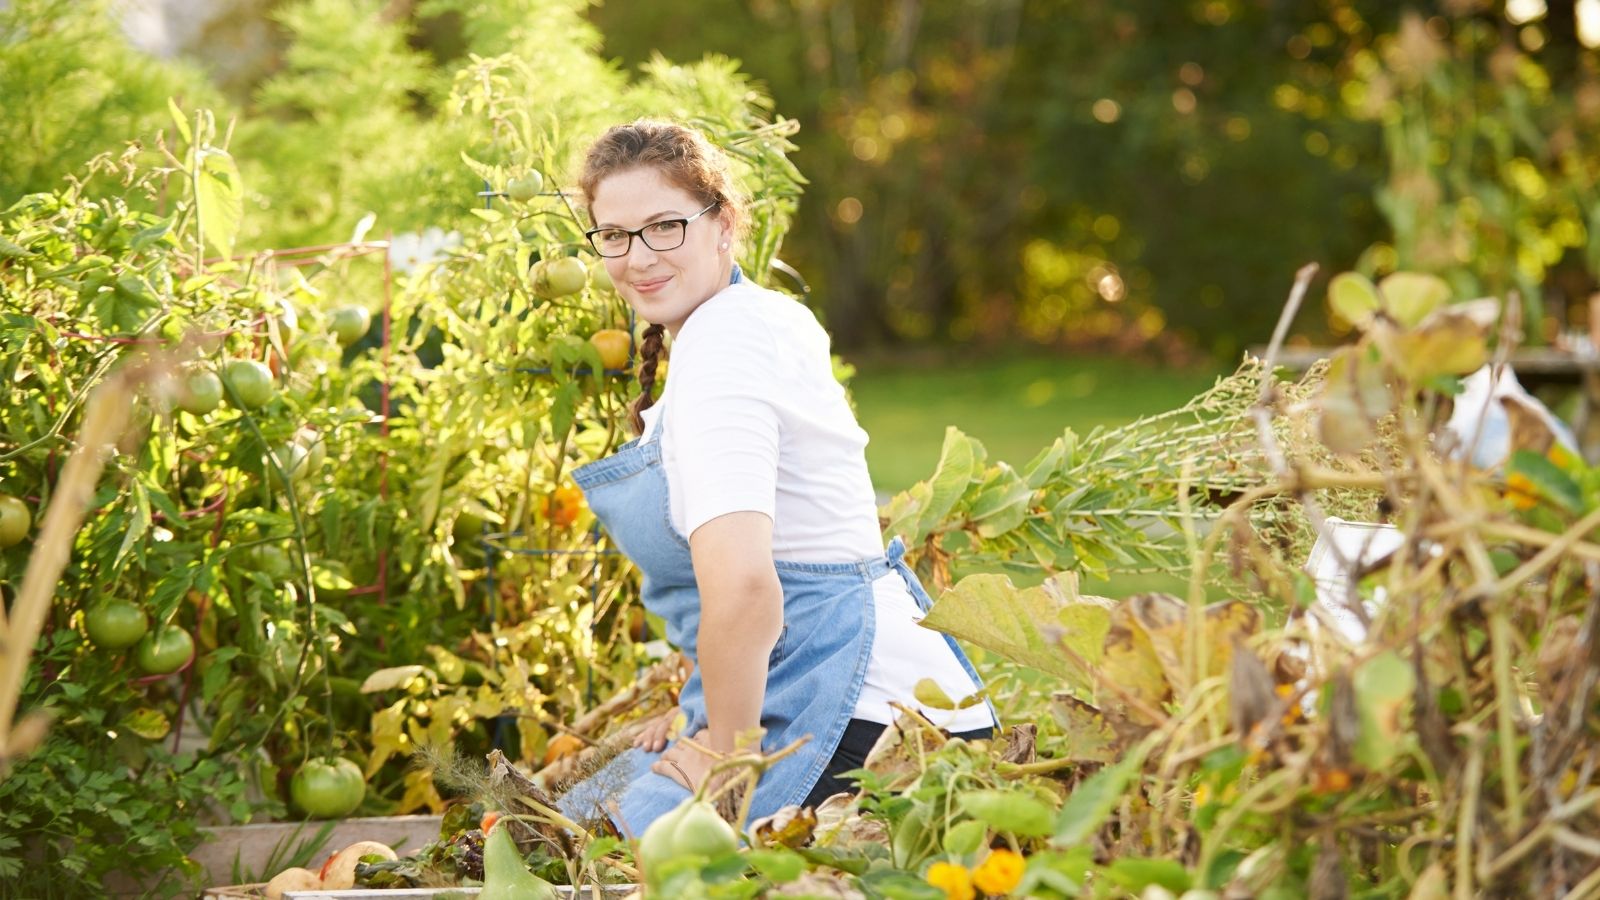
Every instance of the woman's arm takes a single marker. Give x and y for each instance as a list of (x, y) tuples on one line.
[(741, 616)]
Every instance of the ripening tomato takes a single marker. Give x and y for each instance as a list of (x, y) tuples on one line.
[(562, 506), (614, 346)]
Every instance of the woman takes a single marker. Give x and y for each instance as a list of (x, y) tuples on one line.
[(745, 503)]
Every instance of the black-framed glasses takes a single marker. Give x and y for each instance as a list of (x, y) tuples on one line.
[(662, 235)]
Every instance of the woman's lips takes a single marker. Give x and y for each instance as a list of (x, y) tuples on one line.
[(651, 286)]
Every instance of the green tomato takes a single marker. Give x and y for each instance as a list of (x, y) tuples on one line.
[(251, 382), (163, 651), (600, 279), (559, 277), (15, 520), (567, 275), (350, 324), (292, 460), (525, 188), (329, 788), (316, 450), (116, 624), (200, 392)]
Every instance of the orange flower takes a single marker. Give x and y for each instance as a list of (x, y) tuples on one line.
[(1000, 873), (953, 879)]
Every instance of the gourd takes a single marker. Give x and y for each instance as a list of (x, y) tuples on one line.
[(506, 875)]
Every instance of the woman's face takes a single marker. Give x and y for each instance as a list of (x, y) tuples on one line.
[(662, 286)]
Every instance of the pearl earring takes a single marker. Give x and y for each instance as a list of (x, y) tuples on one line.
[(724, 246)]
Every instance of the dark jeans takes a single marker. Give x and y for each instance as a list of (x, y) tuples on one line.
[(859, 736)]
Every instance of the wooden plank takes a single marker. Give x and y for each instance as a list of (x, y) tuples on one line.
[(252, 846)]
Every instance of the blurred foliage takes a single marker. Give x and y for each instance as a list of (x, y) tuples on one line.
[(74, 88), (1100, 168), (1114, 174)]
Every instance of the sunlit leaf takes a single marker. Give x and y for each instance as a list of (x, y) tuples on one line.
[(1353, 298), (219, 198), (965, 837), (390, 678), (1410, 296), (150, 724), (928, 693), (1028, 626)]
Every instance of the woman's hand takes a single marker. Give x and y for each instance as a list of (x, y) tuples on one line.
[(657, 731), (685, 763)]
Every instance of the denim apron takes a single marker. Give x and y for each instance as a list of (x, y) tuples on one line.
[(815, 671)]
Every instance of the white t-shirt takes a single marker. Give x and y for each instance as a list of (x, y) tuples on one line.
[(758, 423)]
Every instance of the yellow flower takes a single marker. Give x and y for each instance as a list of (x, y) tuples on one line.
[(1520, 490), (953, 879), (999, 873)]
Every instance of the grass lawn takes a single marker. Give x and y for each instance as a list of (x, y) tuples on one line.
[(1015, 405)]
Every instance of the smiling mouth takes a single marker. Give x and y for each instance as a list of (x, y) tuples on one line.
[(651, 284)]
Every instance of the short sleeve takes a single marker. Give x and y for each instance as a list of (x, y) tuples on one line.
[(726, 375)]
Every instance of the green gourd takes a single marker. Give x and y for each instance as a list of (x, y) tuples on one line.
[(506, 875)]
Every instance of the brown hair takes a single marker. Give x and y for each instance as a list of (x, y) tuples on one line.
[(688, 161)]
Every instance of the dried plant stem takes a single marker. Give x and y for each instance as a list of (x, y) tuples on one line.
[(1523, 534), (1467, 818), (105, 418), (1554, 550), (1505, 718)]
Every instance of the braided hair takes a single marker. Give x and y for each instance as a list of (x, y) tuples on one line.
[(687, 160)]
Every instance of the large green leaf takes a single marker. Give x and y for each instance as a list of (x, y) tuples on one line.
[(219, 197), (913, 514), (1028, 626), (1014, 811), (1001, 502)]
